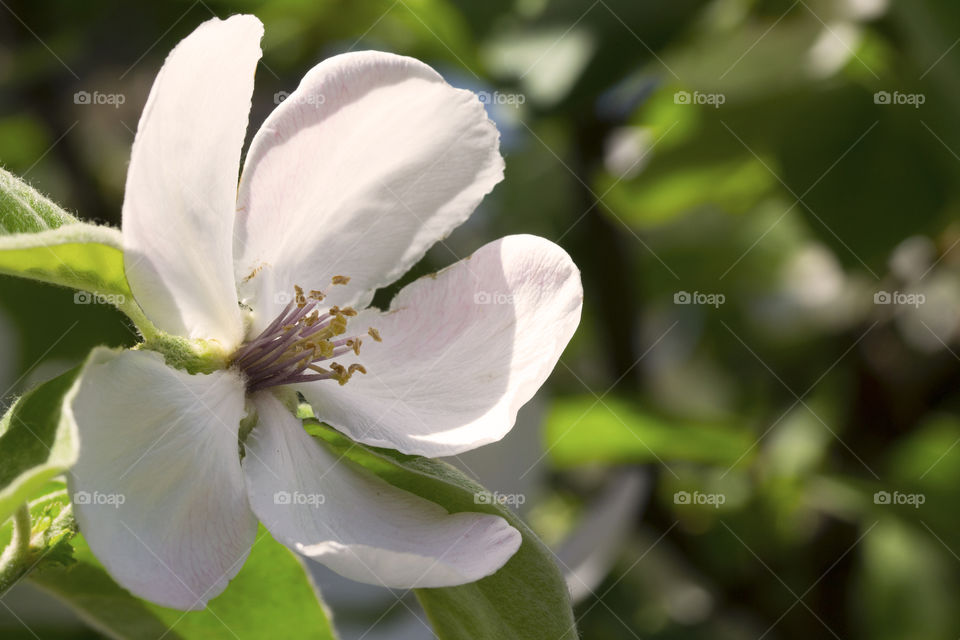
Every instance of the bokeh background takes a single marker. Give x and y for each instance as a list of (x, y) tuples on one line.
[(754, 434)]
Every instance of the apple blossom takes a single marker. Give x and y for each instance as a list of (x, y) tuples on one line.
[(261, 294)]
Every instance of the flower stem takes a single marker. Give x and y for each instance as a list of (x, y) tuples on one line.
[(15, 558), (21, 530)]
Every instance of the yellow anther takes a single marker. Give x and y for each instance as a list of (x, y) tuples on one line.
[(253, 273), (301, 299), (343, 374), (317, 295), (340, 373), (348, 311), (374, 334), (325, 348), (340, 279), (338, 325)]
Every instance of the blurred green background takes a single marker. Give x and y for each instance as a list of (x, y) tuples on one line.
[(754, 433)]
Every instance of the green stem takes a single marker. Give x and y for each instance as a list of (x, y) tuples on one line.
[(21, 530), (15, 558)]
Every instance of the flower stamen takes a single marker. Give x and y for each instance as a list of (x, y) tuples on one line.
[(289, 349)]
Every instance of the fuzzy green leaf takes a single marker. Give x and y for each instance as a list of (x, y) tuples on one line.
[(52, 527), (24, 210), (40, 241), (81, 256), (35, 445)]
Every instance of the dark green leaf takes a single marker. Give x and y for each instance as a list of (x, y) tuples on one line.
[(525, 600)]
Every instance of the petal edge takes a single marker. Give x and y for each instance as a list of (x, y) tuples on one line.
[(180, 200)]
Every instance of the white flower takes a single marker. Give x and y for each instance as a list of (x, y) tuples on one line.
[(349, 181)]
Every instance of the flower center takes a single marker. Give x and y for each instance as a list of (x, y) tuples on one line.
[(291, 349)]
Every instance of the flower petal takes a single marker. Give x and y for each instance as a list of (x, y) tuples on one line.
[(157, 489), (357, 173), (357, 524), (181, 191), (462, 351)]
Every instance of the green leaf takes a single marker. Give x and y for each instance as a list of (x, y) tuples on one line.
[(36, 444), (40, 241), (271, 597), (527, 599), (79, 255), (24, 210), (583, 430), (666, 190), (904, 584), (52, 527)]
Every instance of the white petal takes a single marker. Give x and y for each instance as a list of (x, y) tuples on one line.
[(181, 192), (158, 490), (357, 173), (462, 351), (357, 524)]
